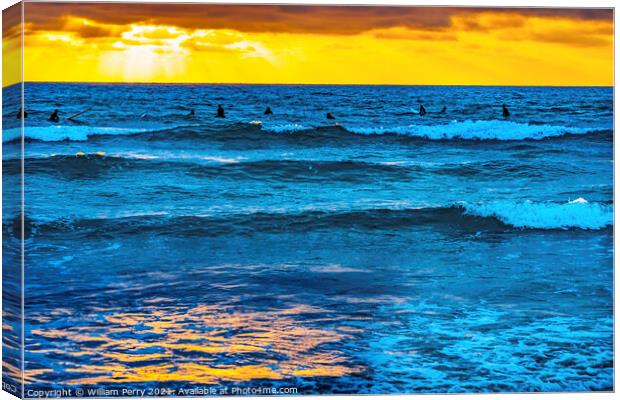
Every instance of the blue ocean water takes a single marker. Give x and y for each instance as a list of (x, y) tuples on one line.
[(380, 252)]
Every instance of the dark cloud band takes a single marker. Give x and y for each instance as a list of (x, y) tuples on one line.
[(343, 20)]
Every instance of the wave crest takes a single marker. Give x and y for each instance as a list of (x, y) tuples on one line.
[(285, 128), (58, 133), (474, 130), (80, 133), (578, 214), (461, 219), (456, 130)]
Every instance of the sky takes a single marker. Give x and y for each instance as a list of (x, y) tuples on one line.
[(199, 43)]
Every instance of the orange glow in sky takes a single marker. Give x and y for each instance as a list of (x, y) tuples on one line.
[(315, 44)]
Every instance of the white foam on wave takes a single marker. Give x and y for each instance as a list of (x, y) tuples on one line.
[(546, 215), (132, 214), (64, 132), (473, 130), (284, 128), (137, 156), (335, 269), (167, 156), (223, 160), (391, 163), (467, 130)]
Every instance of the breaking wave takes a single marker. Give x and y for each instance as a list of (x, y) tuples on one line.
[(456, 130), (538, 215), (460, 219), (475, 130)]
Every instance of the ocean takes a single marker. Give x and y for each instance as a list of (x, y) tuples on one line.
[(379, 252)]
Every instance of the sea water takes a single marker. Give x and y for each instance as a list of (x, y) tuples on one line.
[(380, 252)]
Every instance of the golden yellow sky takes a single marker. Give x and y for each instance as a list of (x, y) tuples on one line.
[(313, 44)]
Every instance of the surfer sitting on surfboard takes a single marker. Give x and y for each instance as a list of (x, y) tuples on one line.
[(54, 116), (19, 114), (505, 112), (220, 112)]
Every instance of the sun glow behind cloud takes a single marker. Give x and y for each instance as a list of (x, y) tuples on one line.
[(435, 47)]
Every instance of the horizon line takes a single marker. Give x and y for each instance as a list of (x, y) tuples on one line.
[(299, 84)]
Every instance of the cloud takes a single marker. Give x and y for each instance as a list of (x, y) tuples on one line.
[(11, 22), (224, 41), (152, 35), (340, 20), (567, 38), (159, 32), (85, 28), (489, 21), (401, 33), (213, 41), (583, 35)]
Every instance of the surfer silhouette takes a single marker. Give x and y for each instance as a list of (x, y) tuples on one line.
[(505, 112), (54, 116), (422, 110), (443, 110), (19, 114), (220, 112), (329, 116), (268, 111), (191, 113)]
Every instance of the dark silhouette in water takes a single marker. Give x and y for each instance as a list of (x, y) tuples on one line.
[(18, 232), (19, 114), (268, 111), (443, 110), (505, 112), (220, 112), (54, 116), (191, 113), (422, 110), (330, 116)]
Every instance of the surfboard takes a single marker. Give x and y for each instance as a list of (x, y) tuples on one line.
[(100, 153), (78, 113), (80, 154)]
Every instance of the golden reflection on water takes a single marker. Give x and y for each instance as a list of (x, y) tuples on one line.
[(29, 375), (205, 344)]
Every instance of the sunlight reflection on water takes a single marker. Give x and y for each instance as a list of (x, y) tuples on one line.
[(204, 344)]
